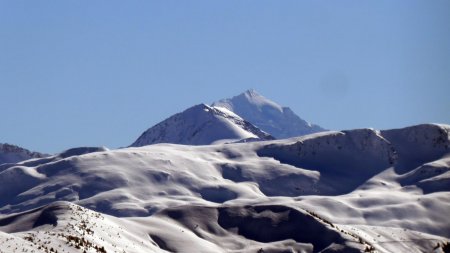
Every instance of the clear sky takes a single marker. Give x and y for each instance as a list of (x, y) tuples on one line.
[(93, 73)]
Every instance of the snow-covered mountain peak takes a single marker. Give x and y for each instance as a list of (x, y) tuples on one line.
[(250, 97), (201, 125), (13, 154), (214, 110), (280, 122)]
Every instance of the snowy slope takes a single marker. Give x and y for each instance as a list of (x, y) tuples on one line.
[(280, 122), (351, 190), (200, 125), (13, 154), (67, 227)]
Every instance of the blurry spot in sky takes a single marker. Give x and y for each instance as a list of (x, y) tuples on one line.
[(334, 84)]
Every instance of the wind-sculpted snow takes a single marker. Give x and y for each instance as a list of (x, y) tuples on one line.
[(350, 191), (289, 227)]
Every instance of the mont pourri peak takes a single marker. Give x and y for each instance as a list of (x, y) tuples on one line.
[(281, 122)]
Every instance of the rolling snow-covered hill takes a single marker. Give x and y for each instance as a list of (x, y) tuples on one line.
[(339, 191), (13, 154), (280, 122), (201, 125)]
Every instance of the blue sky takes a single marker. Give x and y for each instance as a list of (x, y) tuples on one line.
[(92, 73)]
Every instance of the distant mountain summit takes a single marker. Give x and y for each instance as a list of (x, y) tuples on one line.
[(246, 117), (201, 125), (280, 122), (13, 154)]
